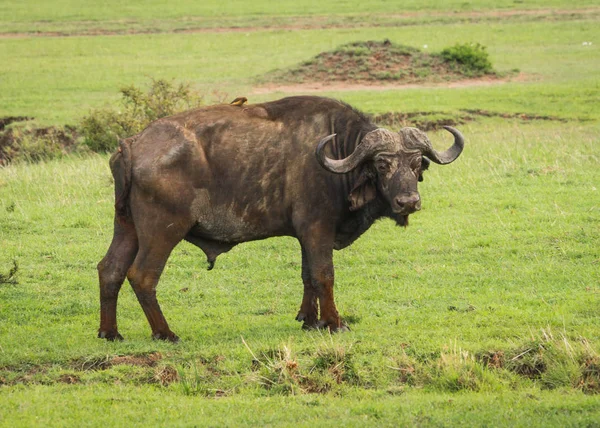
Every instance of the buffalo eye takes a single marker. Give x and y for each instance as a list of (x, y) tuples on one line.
[(416, 164), (382, 167)]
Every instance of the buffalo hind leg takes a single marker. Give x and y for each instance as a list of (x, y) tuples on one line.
[(111, 273), (309, 308), (155, 246)]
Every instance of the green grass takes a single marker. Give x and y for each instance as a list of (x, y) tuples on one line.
[(484, 311), (57, 80), (502, 259), (72, 10), (515, 186), (207, 23), (34, 405)]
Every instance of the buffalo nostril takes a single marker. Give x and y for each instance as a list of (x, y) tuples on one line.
[(412, 202)]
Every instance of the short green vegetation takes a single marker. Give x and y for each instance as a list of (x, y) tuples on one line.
[(469, 59), (483, 312), (10, 277), (102, 128)]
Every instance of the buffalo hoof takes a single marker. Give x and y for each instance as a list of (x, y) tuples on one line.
[(310, 326), (333, 326), (110, 335), (167, 337), (310, 322)]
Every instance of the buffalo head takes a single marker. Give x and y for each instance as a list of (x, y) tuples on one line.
[(390, 164)]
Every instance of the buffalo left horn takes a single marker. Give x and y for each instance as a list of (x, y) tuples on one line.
[(449, 155), (363, 151)]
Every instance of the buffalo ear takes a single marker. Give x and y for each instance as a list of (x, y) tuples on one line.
[(424, 166), (364, 190)]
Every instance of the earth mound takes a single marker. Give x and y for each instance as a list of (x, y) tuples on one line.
[(374, 61), (33, 143)]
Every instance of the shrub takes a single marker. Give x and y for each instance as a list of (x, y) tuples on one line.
[(472, 59), (102, 128), (10, 277)]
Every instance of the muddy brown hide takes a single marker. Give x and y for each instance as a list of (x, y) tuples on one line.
[(221, 175)]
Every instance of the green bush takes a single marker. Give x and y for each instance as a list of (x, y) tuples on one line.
[(102, 128), (471, 59)]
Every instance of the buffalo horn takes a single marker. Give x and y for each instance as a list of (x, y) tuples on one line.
[(363, 151), (449, 155)]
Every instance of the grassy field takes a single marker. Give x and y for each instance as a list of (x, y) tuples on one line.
[(484, 311), (57, 80), (31, 16)]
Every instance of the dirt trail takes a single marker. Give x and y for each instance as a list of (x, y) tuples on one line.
[(311, 87), (307, 22)]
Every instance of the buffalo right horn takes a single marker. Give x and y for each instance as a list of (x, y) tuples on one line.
[(366, 149)]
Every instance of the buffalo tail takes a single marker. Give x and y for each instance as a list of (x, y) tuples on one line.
[(120, 166)]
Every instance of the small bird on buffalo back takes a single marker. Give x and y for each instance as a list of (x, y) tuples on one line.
[(239, 101)]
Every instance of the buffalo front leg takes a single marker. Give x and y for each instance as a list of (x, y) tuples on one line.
[(319, 255), (309, 308), (111, 273)]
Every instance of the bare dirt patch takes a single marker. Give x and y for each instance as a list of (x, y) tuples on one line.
[(5, 121), (315, 87), (33, 143), (142, 360), (166, 375), (432, 120), (522, 116), (492, 359), (148, 360), (149, 370), (426, 121), (590, 379), (69, 379)]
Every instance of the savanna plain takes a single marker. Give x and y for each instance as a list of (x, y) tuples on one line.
[(484, 311)]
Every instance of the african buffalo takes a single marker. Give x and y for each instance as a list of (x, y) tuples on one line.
[(309, 167)]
